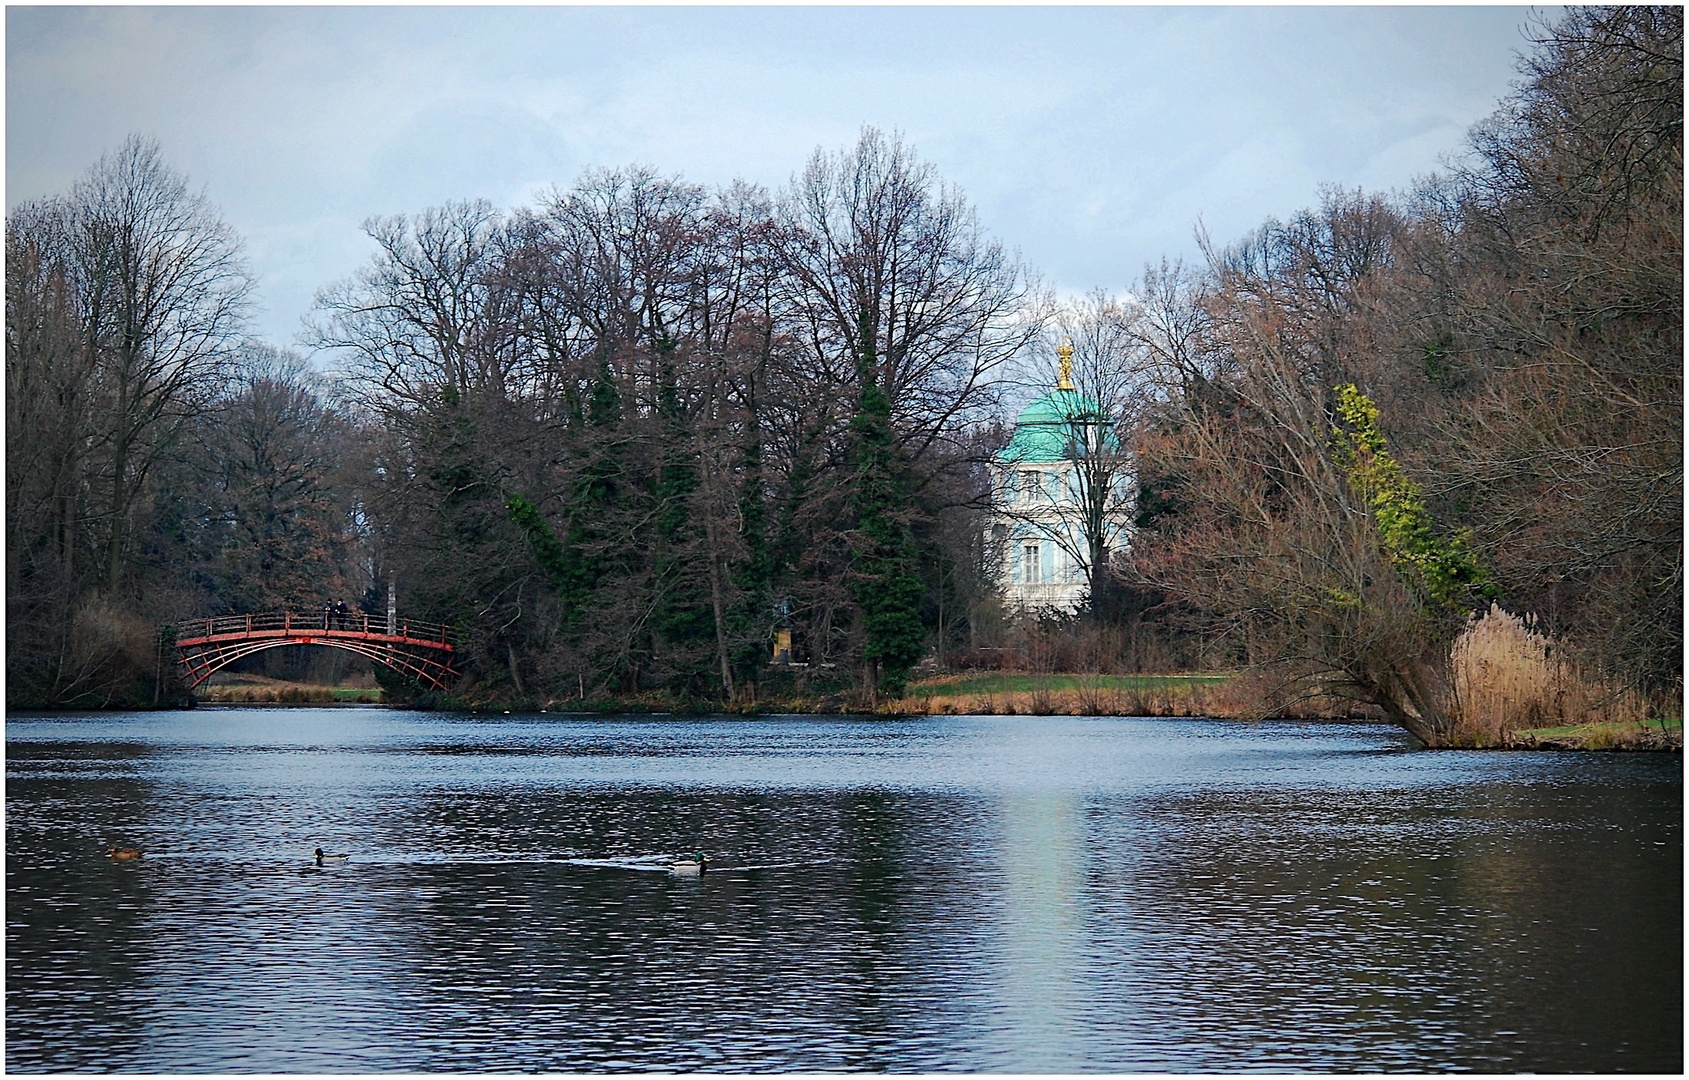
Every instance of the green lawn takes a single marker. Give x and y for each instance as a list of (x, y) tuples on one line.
[(1600, 733), (1006, 682), (353, 693)]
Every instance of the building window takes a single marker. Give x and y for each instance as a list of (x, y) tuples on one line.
[(1030, 562), (1031, 484)]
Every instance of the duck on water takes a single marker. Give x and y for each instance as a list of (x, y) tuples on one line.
[(324, 859), (123, 853), (693, 867)]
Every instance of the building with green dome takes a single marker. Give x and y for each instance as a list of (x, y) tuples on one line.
[(1061, 480)]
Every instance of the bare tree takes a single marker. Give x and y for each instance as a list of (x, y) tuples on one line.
[(125, 300), (891, 264), (277, 447), (49, 381), (1270, 525), (425, 316), (1553, 263), (161, 292)]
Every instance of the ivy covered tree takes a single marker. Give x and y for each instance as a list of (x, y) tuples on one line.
[(1440, 569)]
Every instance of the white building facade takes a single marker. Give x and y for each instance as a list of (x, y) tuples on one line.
[(1041, 479)]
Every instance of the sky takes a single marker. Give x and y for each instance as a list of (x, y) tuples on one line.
[(1093, 140)]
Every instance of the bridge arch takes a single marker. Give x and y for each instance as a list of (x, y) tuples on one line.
[(423, 651)]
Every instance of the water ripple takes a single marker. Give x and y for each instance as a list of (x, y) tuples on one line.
[(982, 894)]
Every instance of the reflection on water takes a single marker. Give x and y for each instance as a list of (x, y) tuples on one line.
[(1006, 894), (1040, 923)]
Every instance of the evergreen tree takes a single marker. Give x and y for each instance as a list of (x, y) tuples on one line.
[(749, 619), (886, 584), (682, 623)]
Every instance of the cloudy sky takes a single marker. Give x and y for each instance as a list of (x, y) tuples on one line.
[(1093, 139)]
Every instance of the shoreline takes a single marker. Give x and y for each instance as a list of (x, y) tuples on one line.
[(1219, 696)]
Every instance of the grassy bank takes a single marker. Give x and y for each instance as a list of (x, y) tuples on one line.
[(1024, 694), (980, 683), (242, 689), (971, 693), (1220, 695), (1659, 734), (986, 693), (1223, 696)]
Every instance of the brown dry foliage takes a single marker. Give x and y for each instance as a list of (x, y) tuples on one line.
[(1520, 324), (1506, 676)]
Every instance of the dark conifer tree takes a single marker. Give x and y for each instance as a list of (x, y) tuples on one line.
[(885, 582)]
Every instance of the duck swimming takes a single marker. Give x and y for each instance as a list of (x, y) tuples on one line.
[(324, 858), (124, 853), (693, 867)]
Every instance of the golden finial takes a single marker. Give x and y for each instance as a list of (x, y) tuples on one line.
[(1064, 353)]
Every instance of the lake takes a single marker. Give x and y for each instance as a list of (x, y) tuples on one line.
[(1012, 894)]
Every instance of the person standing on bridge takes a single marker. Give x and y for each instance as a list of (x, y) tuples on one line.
[(342, 615)]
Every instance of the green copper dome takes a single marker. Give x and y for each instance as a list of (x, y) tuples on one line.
[(1052, 429)]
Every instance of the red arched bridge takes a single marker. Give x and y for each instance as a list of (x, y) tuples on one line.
[(424, 651)]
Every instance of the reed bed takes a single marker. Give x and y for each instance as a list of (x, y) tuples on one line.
[(1244, 696), (257, 690), (1078, 696), (1506, 677)]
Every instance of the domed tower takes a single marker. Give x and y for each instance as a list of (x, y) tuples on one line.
[(1045, 503)]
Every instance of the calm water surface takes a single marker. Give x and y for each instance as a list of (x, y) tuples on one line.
[(1005, 894)]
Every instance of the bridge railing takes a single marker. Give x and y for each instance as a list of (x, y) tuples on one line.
[(303, 622)]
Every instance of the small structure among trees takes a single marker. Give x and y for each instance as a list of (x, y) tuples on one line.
[(1063, 497), (626, 437)]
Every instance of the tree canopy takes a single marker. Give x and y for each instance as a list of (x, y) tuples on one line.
[(623, 436)]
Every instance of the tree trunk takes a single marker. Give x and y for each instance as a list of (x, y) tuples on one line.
[(720, 614), (114, 548), (515, 673)]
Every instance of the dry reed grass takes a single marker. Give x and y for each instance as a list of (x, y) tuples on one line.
[(1087, 699), (111, 656), (1505, 677), (246, 689)]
